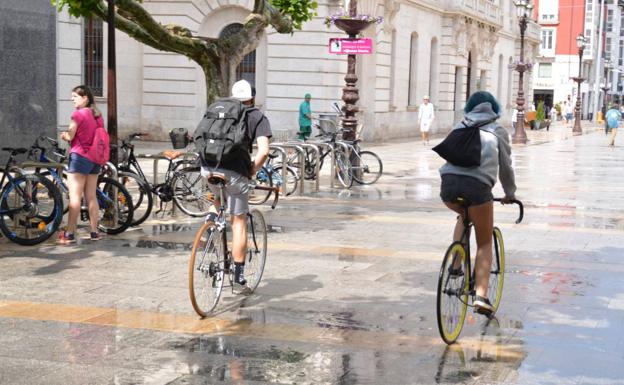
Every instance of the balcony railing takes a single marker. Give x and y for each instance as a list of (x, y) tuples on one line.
[(482, 9)]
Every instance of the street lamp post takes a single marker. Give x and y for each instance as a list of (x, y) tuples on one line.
[(524, 8), (580, 43), (606, 86)]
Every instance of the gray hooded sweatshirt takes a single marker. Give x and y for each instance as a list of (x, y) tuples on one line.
[(495, 151)]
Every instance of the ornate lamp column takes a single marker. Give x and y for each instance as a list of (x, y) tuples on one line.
[(580, 43), (350, 94), (524, 8), (606, 86)]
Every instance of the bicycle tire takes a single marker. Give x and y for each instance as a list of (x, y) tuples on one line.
[(256, 248), (293, 178), (497, 272), (452, 294), (42, 220), (62, 188), (258, 197), (190, 191), (141, 193), (343, 169), (206, 265), (115, 215), (370, 169)]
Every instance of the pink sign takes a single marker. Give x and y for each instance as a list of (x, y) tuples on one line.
[(347, 46)]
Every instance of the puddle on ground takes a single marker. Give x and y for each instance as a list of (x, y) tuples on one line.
[(148, 244)]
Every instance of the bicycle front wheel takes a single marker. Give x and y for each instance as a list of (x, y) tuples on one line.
[(452, 296), (141, 194), (343, 169), (497, 272), (256, 248), (31, 210), (257, 196), (206, 270), (190, 192), (289, 183), (370, 168), (116, 208)]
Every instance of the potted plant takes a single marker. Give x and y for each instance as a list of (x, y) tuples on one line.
[(541, 120)]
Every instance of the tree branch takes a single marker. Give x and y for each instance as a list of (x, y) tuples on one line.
[(275, 18)]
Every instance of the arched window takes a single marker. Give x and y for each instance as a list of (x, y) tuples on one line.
[(412, 97), (393, 63), (499, 85), (247, 67), (433, 71)]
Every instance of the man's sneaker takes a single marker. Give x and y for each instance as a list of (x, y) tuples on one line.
[(95, 236), (239, 274), (66, 238), (483, 306)]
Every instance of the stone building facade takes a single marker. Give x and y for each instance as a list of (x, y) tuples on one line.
[(445, 48)]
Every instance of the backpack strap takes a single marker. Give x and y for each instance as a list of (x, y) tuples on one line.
[(480, 124)]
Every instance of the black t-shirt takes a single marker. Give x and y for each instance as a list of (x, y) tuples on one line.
[(257, 126)]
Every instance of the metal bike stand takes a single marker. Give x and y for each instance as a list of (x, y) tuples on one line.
[(301, 155), (317, 169), (317, 156)]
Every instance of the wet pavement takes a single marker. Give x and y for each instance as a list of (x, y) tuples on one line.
[(348, 295)]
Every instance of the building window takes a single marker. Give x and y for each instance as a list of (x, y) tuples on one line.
[(247, 68), (433, 70), (412, 97), (544, 70), (547, 39), (94, 56)]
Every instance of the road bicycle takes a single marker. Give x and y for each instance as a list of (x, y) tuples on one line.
[(211, 261), (183, 183), (115, 202), (456, 281), (31, 207)]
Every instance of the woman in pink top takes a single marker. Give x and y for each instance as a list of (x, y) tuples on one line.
[(82, 173)]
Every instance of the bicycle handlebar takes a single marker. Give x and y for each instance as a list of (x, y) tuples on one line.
[(274, 190), (520, 207)]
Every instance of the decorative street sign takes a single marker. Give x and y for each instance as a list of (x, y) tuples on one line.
[(347, 46)]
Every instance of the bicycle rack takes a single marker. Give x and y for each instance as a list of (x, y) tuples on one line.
[(347, 150), (278, 148), (301, 155), (320, 144), (317, 154)]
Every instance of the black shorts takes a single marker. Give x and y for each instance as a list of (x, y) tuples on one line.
[(467, 187)]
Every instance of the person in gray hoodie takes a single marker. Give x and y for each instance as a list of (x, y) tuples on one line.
[(474, 185)]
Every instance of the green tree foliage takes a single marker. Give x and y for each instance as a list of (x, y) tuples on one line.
[(218, 57)]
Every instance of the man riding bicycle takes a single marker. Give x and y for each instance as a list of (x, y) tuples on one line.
[(239, 171)]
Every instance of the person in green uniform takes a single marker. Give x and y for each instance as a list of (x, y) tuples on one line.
[(305, 118)]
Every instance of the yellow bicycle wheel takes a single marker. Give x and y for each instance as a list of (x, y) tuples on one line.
[(453, 288), (497, 272)]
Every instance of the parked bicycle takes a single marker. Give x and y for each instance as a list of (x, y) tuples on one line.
[(270, 175), (115, 202), (456, 282), (31, 207), (182, 184), (211, 261)]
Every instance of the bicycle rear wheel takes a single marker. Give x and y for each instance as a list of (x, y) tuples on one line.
[(343, 169), (370, 168), (452, 296), (116, 208), (256, 248), (497, 272), (31, 210), (142, 199), (290, 182), (190, 191), (206, 270)]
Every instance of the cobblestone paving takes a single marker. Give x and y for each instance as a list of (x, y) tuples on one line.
[(348, 295)]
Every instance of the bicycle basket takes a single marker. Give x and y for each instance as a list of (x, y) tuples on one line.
[(179, 138)]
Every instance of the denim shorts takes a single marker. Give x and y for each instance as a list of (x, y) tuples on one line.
[(81, 165), (467, 187), (237, 190)]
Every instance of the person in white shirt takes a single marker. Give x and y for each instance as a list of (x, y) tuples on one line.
[(425, 118)]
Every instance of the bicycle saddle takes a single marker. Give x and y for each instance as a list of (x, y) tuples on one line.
[(171, 154), (20, 150), (216, 177)]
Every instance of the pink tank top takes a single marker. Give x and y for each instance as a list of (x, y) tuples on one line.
[(85, 131)]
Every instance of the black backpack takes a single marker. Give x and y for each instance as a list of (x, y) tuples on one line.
[(221, 136), (462, 146)]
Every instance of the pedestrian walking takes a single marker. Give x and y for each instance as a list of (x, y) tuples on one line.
[(474, 185), (426, 116), (569, 114), (305, 118), (613, 117), (514, 120), (82, 173)]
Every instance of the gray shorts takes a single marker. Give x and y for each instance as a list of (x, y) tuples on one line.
[(467, 187), (237, 190)]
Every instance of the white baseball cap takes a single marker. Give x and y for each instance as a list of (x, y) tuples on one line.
[(241, 90)]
